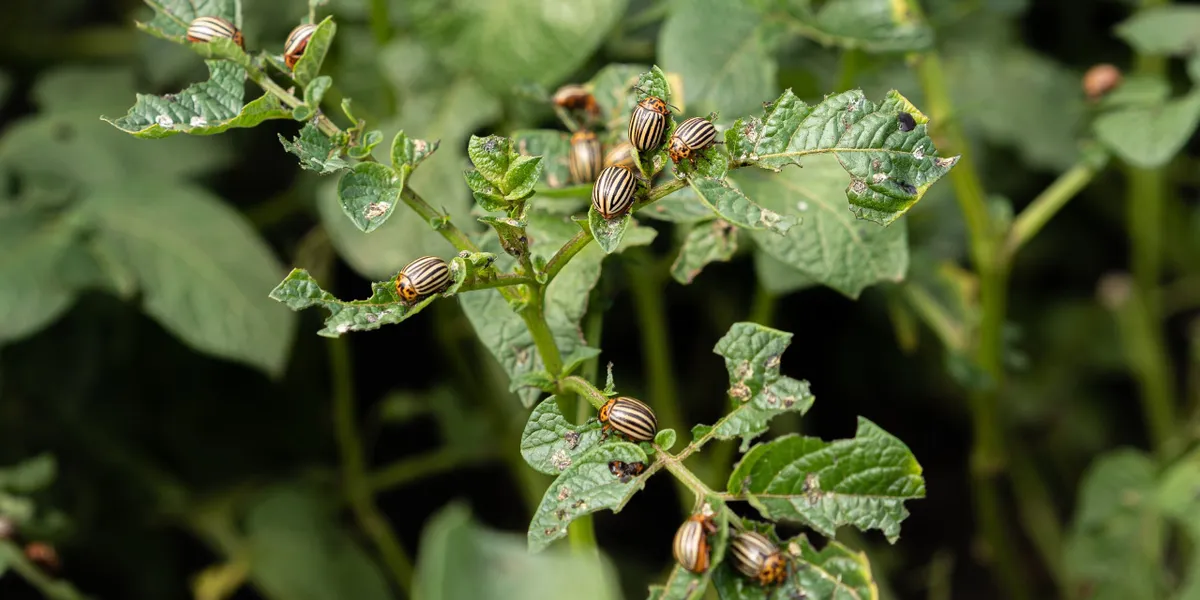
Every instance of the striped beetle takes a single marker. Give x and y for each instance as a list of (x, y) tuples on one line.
[(693, 135), (648, 123), (422, 277), (576, 97), (585, 157), (297, 43), (207, 29), (625, 471), (691, 543), (621, 154), (757, 558), (614, 191), (629, 417)]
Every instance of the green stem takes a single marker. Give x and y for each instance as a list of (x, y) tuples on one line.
[(851, 59), (582, 532), (408, 470), (1147, 357), (584, 388), (935, 316), (646, 285), (1051, 200), (381, 25), (53, 589), (1036, 510), (566, 253), (354, 468), (453, 234), (762, 307), (499, 281), (988, 453), (543, 338)]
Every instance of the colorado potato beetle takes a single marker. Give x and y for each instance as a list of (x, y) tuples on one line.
[(629, 417), (621, 154), (691, 543), (422, 277), (44, 555), (757, 558), (207, 29), (648, 123), (693, 135), (585, 157), (297, 43), (576, 97), (614, 191), (626, 471)]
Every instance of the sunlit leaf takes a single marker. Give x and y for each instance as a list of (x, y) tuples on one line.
[(384, 307), (316, 151), (873, 25), (369, 193), (550, 443), (890, 169), (584, 488), (863, 481), (830, 246), (608, 232), (207, 108), (733, 206)]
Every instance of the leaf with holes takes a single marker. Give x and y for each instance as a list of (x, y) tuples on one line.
[(830, 246), (863, 481), (583, 488), (316, 151), (369, 193), (715, 241), (835, 572), (384, 307), (891, 158), (207, 108), (550, 443)]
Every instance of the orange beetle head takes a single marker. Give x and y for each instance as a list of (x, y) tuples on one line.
[(406, 290)]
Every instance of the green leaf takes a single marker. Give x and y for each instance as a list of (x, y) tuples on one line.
[(608, 232), (835, 572), (830, 246), (719, 49), (199, 266), (665, 438), (862, 481), (686, 585), (1114, 544), (207, 108), (757, 389), (514, 41), (314, 92), (511, 233), (715, 241), (732, 205), (872, 25), (778, 277), (299, 291), (296, 549), (683, 206), (492, 157), (583, 488), (1162, 30), (555, 149), (461, 559), (498, 163), (1149, 136), (365, 145), (489, 197), (408, 153), (309, 65), (34, 293), (1178, 497), (369, 193), (890, 169), (316, 151), (550, 443), (653, 83), (30, 475)]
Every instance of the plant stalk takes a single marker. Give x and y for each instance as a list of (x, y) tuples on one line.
[(354, 469)]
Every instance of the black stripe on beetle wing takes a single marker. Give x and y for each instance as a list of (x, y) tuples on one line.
[(585, 160), (633, 419), (427, 275), (688, 544), (646, 128), (614, 191), (208, 28), (696, 133), (750, 552)]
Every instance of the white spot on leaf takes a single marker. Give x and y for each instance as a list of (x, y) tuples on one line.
[(164, 121), (918, 153), (198, 121), (802, 206)]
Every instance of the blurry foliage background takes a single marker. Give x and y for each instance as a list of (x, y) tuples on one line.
[(189, 415)]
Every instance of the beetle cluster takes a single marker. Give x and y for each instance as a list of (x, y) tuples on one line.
[(754, 555), (207, 29)]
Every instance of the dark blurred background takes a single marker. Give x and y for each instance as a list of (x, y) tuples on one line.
[(154, 433)]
